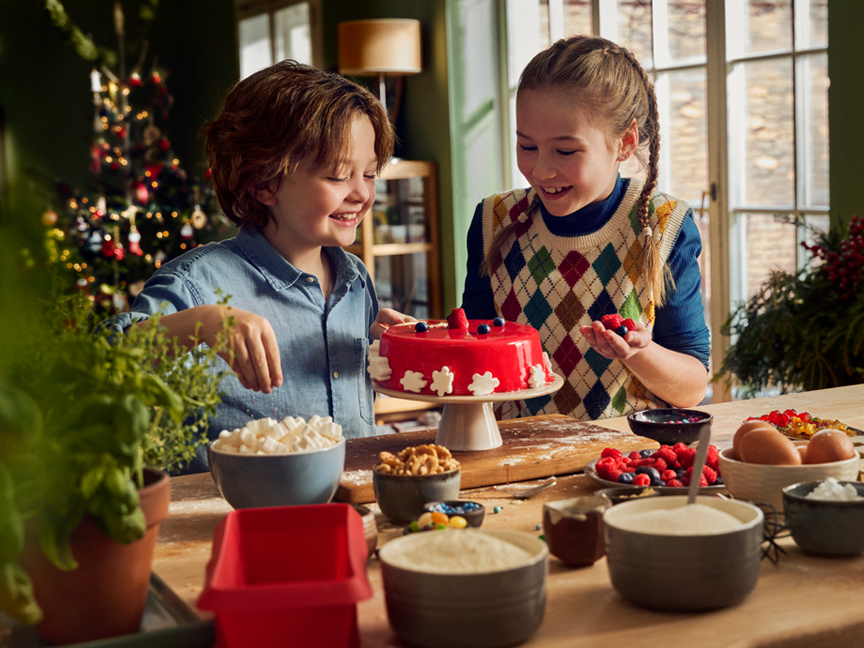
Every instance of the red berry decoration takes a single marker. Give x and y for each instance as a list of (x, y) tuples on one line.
[(457, 320)]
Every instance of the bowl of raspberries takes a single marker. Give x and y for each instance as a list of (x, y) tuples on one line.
[(669, 425), (667, 469)]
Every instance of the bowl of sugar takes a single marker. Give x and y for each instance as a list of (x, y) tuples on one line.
[(471, 588), (826, 517), (665, 554), (286, 463)]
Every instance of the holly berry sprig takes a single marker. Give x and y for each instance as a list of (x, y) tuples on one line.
[(844, 267)]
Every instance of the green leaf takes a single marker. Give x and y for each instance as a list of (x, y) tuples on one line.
[(16, 594)]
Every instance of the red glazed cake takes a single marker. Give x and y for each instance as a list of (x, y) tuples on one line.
[(458, 357)]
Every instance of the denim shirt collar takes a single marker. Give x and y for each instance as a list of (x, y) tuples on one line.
[(278, 272)]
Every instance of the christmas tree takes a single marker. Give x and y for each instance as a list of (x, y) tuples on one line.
[(141, 207)]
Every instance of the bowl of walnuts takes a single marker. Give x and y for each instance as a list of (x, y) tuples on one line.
[(405, 481)]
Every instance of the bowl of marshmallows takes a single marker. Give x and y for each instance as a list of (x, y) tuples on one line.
[(279, 463)]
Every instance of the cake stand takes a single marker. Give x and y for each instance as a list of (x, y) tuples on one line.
[(468, 422)]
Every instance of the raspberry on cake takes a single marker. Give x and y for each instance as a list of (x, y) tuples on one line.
[(459, 357)]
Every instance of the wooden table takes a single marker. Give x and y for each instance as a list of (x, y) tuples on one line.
[(800, 601)]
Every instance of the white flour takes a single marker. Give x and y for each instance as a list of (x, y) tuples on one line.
[(465, 551), (691, 519)]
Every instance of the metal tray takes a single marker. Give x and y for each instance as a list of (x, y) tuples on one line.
[(168, 623)]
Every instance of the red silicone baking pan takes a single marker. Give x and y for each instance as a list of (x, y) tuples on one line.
[(287, 576)]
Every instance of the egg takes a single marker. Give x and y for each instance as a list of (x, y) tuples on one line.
[(747, 426), (827, 446), (764, 446)]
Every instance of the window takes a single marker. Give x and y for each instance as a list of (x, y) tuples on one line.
[(272, 31), (743, 119)]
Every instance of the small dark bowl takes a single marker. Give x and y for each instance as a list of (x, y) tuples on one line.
[(401, 497), (662, 424), (627, 493), (823, 527), (473, 518)]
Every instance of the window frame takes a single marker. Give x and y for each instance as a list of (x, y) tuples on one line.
[(252, 8)]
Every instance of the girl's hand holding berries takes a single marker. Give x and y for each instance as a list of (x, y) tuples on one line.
[(616, 338)]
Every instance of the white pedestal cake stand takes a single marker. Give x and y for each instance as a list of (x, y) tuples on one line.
[(468, 422)]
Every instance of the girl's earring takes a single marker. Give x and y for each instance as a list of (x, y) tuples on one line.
[(622, 157)]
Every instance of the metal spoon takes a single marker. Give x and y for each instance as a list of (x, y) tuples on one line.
[(699, 463)]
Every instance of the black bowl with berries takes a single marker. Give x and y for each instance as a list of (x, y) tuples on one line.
[(670, 425)]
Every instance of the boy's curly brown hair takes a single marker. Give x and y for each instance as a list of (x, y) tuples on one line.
[(275, 118)]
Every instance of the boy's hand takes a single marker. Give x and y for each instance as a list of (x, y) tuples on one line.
[(611, 345), (387, 317), (256, 352)]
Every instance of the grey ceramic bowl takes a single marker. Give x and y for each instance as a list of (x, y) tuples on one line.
[(683, 572), (486, 610), (823, 527), (248, 481), (401, 497), (665, 426), (473, 517)]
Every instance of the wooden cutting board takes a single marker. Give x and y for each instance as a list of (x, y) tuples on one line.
[(534, 447)]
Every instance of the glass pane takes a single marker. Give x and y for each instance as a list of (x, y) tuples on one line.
[(293, 39), (771, 245), (684, 134), (527, 34), (768, 26), (814, 32), (816, 226), (401, 283), (634, 29), (686, 29), (399, 211), (543, 22), (813, 114), (479, 78), (769, 140), (254, 45), (577, 17)]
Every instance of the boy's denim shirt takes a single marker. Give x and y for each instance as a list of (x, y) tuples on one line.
[(323, 346)]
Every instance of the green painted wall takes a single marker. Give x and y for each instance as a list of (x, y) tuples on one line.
[(845, 99)]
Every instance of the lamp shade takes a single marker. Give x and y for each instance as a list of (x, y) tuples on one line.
[(388, 46)]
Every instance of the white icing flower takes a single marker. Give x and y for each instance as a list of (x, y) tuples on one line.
[(548, 362), (379, 368), (442, 381), (413, 381), (483, 385), (538, 376)]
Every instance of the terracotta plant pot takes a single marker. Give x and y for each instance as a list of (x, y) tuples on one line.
[(106, 595)]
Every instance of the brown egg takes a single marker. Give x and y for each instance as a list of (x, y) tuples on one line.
[(802, 450), (746, 427), (827, 446), (764, 446)]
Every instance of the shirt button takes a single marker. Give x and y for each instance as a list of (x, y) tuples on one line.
[(335, 374), (310, 279)]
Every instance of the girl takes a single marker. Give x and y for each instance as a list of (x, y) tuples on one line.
[(582, 242), (294, 155)]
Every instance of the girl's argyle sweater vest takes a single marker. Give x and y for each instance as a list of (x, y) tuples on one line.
[(557, 284)]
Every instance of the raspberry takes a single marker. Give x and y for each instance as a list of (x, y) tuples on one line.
[(630, 324), (612, 322), (674, 482), (635, 456), (660, 465), (686, 457), (642, 480), (667, 454), (614, 475), (710, 474), (612, 452), (713, 457), (668, 475), (457, 319)]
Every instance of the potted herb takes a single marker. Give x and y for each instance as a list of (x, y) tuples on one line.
[(804, 331), (90, 426)]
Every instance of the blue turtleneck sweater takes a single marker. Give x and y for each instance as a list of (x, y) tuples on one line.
[(680, 322)]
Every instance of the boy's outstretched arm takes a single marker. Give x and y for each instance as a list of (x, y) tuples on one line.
[(386, 318), (255, 357)]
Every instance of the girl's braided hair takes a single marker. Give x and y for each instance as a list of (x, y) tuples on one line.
[(606, 81)]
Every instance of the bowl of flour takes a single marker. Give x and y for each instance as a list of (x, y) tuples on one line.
[(470, 588), (665, 554)]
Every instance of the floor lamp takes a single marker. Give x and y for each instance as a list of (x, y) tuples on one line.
[(383, 47)]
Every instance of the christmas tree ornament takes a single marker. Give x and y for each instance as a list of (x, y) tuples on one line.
[(135, 242), (82, 284), (150, 135), (119, 252), (198, 218), (135, 80), (139, 189), (186, 232), (49, 218), (108, 248), (94, 242)]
